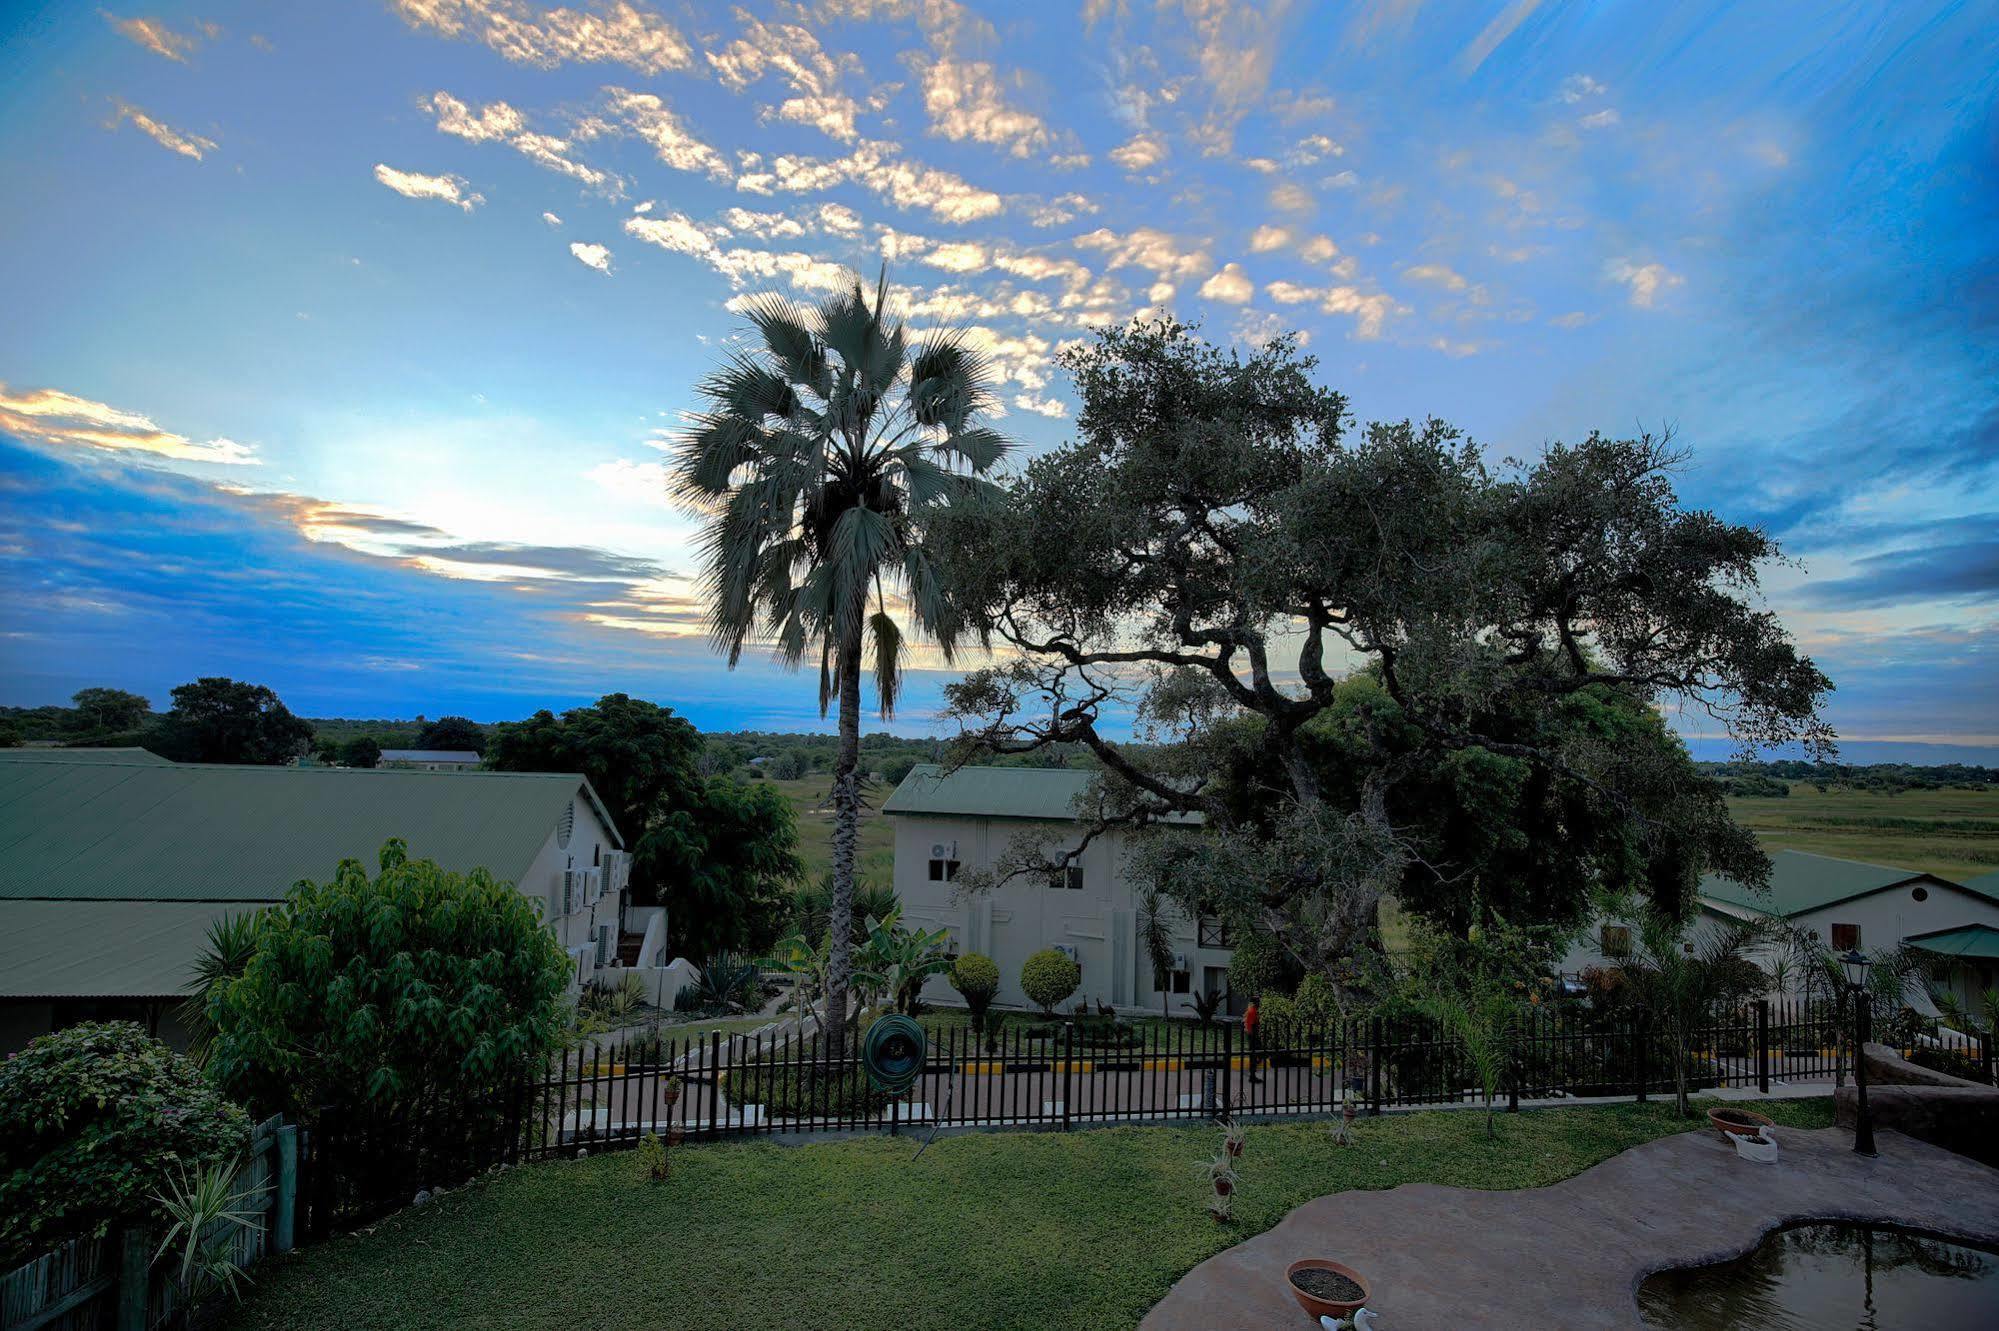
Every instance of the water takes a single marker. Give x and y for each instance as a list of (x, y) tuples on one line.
[(1832, 1276)]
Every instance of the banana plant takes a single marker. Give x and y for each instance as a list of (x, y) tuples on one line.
[(902, 959), (810, 970)]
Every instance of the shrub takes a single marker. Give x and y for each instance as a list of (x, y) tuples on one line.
[(1277, 1022), (1948, 1061), (397, 1016), (976, 977), (95, 1121), (1048, 977), (1318, 1006), (1256, 969), (792, 1092)]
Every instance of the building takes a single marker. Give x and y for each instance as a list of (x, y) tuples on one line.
[(947, 825), (112, 871), (1845, 904), (430, 760)]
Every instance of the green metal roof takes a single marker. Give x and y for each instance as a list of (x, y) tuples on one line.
[(1801, 881), (1986, 884), (103, 949), (59, 755), (189, 832), (1052, 793), (1967, 940)]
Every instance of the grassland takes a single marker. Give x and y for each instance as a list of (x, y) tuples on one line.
[(811, 802), (1951, 833)]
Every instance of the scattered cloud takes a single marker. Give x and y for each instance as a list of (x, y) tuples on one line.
[(415, 185), (1231, 285), (648, 117), (156, 36), (173, 140), (964, 100), (1290, 197), (1369, 310), (591, 256), (877, 167), (815, 75), (1437, 274), (52, 416), (1267, 238), (616, 33), (1148, 248), (1141, 153), (497, 122), (1603, 119), (1577, 87), (1494, 33), (551, 219), (1644, 282), (1052, 408)]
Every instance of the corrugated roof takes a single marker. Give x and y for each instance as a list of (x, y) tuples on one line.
[(1801, 881), (996, 792), (190, 832), (430, 756), (1967, 940), (130, 755), (1986, 884), (102, 949)]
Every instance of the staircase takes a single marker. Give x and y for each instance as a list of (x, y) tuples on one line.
[(628, 948)]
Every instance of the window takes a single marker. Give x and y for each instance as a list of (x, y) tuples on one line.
[(1615, 940), (1845, 937), (1177, 982), (1214, 932), (943, 871), (1070, 878)]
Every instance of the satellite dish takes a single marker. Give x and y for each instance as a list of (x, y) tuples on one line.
[(893, 1052)]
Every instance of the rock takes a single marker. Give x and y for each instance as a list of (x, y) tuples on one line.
[(423, 1195)]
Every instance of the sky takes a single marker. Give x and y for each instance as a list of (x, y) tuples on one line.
[(342, 341)]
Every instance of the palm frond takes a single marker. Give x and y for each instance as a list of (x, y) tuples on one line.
[(787, 332), (887, 640)]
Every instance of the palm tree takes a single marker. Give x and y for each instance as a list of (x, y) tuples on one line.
[(225, 954), (1681, 984), (823, 448), (1155, 935)]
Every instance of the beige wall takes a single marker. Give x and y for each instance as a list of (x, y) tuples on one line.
[(588, 841), (1013, 921)]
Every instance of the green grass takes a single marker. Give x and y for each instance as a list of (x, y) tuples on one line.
[(1951, 833), (995, 1230), (810, 804)]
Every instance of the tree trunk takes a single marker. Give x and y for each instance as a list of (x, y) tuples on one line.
[(846, 832)]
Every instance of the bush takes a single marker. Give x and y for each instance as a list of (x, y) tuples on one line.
[(1048, 977), (398, 1016), (94, 1121), (791, 1092), (976, 977), (1256, 969), (1318, 1006), (1948, 1061)]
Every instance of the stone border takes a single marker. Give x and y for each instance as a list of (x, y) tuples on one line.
[(1572, 1254)]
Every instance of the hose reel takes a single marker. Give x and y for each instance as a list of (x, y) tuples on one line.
[(893, 1051)]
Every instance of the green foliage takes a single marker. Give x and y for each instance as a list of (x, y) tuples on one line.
[(452, 733), (1048, 977), (650, 1156), (788, 1091), (95, 1122), (812, 908), (406, 1006), (1477, 988), (903, 958), (219, 720), (976, 977), (729, 983), (789, 765), (225, 952), (361, 751), (1679, 988), (723, 857), (895, 769), (10, 735), (1257, 968), (204, 1213), (108, 711)]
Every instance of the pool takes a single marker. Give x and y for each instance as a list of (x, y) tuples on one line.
[(1832, 1276)]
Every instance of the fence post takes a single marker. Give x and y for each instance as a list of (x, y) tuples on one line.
[(284, 1219), (1642, 1029), (1226, 1108), (1375, 1055), (1985, 1055), (1763, 1046), (135, 1272), (1513, 1064), (1068, 1071)]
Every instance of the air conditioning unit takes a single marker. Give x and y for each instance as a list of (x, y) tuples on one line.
[(944, 850), (1068, 950), (1179, 961)]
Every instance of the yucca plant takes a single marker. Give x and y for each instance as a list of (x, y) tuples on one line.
[(225, 953), (204, 1213), (822, 450)]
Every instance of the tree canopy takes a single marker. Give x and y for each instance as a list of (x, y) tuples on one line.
[(220, 720), (1219, 548), (454, 733), (101, 711), (637, 755), (724, 857)]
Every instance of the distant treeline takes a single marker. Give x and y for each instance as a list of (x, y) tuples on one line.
[(1773, 779)]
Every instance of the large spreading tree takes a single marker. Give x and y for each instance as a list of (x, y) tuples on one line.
[(825, 449), (1366, 663), (220, 720)]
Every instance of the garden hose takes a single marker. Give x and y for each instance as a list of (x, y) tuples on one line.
[(892, 1052)]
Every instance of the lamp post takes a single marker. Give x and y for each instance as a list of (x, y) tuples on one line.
[(1856, 965)]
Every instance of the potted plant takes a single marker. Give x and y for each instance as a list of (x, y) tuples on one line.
[(671, 1092), (1734, 1122), (1326, 1288), (1233, 1137)]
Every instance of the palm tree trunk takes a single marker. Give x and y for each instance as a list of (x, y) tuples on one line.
[(846, 832)]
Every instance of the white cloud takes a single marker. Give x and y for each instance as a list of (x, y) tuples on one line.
[(797, 55), (1160, 292), (764, 226), (173, 140), (1291, 197), (1644, 282), (1311, 149), (1494, 33), (617, 32), (1231, 285), (497, 122), (635, 482), (1268, 166), (1369, 310), (1142, 153), (156, 37), (55, 417), (875, 166), (1046, 406), (1318, 249), (839, 219), (672, 231), (591, 256), (415, 185), (1437, 274), (1145, 247), (551, 219), (1060, 210), (1578, 86), (1573, 319), (1603, 119), (1267, 238), (964, 101), (648, 117)]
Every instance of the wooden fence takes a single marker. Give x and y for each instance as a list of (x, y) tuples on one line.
[(112, 1283)]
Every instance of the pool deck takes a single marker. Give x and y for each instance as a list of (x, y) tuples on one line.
[(1572, 1255)]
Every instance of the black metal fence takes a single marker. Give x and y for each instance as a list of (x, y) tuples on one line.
[(1085, 1070)]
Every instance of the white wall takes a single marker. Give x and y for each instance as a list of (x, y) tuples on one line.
[(1011, 922), (588, 841)]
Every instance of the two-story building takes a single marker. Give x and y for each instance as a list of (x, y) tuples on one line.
[(948, 824), (113, 868)]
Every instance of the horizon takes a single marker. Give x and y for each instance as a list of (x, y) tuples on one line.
[(346, 341)]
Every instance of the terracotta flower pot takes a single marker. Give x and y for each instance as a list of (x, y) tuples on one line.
[(1223, 1187), (1317, 1307), (1739, 1122), (1234, 1148)]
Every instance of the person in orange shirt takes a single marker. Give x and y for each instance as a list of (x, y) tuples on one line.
[(1249, 1029)]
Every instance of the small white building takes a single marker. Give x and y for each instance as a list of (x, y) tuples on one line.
[(1845, 904), (430, 760), (114, 870), (949, 824)]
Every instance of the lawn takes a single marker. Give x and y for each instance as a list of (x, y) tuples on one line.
[(1087, 1229), (1951, 833), (811, 803)]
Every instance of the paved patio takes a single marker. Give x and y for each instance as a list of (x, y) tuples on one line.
[(1572, 1255)]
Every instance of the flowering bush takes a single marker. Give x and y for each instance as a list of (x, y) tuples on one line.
[(94, 1122)]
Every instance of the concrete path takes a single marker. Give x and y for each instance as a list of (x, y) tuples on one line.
[(1572, 1255)]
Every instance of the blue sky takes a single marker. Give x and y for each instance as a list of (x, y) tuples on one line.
[(342, 338)]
